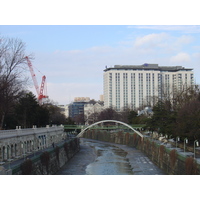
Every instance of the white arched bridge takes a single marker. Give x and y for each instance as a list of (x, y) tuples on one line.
[(114, 121)]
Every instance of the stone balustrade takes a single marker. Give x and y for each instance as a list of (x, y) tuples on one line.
[(17, 143)]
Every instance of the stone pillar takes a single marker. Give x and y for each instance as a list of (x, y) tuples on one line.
[(19, 151), (5, 152), (1, 153), (28, 146), (26, 149), (15, 150), (32, 145), (8, 152), (21, 148), (40, 143), (12, 154)]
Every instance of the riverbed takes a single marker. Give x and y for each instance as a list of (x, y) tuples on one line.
[(103, 158)]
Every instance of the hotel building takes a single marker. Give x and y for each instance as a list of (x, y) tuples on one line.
[(135, 85)]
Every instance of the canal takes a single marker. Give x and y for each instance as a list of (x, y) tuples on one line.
[(103, 158)]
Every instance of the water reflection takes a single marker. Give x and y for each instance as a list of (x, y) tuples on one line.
[(110, 160)]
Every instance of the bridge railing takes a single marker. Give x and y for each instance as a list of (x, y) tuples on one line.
[(28, 131), (135, 126)]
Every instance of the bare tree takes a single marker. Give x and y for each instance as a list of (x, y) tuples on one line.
[(12, 79), (188, 120)]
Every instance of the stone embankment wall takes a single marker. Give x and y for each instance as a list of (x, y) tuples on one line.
[(167, 159), (49, 162)]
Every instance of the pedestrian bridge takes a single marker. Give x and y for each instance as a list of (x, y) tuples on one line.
[(107, 121)]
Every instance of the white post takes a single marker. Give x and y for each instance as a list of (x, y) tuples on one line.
[(177, 139), (197, 144)]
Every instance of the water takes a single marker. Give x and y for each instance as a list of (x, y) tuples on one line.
[(110, 160)]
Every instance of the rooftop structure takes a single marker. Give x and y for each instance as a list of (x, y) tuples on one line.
[(148, 67)]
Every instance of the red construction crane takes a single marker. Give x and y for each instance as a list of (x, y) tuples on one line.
[(42, 91)]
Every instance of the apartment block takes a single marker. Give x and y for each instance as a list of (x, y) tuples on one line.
[(135, 85)]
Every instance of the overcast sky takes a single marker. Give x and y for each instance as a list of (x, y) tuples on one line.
[(73, 57)]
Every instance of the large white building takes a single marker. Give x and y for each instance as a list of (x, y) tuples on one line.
[(135, 85)]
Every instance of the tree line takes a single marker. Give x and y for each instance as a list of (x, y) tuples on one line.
[(174, 115), (19, 107), (178, 116)]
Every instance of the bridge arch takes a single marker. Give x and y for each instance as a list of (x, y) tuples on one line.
[(115, 121)]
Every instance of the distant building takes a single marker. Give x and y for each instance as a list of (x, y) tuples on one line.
[(132, 85), (82, 108), (81, 99), (77, 107), (64, 110), (101, 98)]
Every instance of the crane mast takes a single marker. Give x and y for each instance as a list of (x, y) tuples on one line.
[(40, 91)]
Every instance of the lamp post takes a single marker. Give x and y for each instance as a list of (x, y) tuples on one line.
[(185, 142), (197, 144), (177, 140)]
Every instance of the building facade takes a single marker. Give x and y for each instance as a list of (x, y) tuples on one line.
[(64, 110), (76, 108), (136, 85)]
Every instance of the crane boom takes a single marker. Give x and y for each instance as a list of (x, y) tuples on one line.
[(42, 88), (33, 75), (40, 91)]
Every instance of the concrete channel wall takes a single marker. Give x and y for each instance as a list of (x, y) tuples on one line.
[(49, 162), (15, 144), (167, 159)]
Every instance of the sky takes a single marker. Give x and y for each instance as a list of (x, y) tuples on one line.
[(72, 44), (73, 57)]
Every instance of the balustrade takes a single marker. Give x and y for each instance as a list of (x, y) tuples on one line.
[(19, 142)]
